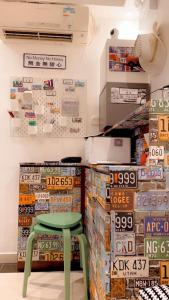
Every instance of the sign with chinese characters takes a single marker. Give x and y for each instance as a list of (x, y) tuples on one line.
[(136, 266), (44, 61)]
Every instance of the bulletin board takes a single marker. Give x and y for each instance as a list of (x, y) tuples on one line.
[(47, 107)]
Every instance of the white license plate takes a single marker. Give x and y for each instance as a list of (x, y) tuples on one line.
[(42, 196), (156, 152), (136, 266), (124, 243), (30, 178)]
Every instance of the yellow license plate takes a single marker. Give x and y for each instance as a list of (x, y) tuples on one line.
[(164, 272), (59, 182), (54, 256), (26, 199), (163, 128)]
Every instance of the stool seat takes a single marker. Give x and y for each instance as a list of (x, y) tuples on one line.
[(40, 229), (60, 220)]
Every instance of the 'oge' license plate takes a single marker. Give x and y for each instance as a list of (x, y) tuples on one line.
[(123, 179)]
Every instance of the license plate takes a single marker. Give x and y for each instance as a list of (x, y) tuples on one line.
[(26, 199), (24, 188), (121, 199), (156, 248), (30, 178), (24, 221), (123, 179), (51, 171), (152, 200), (156, 226), (25, 231), (164, 272), (37, 187), (59, 182), (141, 283), (51, 245), (136, 266), (124, 244), (160, 106), (53, 256), (150, 173), (22, 255), (156, 152), (26, 209), (60, 199), (163, 128), (118, 288), (42, 196), (41, 206), (123, 221), (30, 169)]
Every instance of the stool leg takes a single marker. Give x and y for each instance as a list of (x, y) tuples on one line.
[(27, 262), (67, 261), (84, 254), (32, 227)]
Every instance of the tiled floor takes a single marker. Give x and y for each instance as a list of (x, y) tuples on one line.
[(41, 286)]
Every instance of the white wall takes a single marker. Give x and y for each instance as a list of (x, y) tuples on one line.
[(82, 63)]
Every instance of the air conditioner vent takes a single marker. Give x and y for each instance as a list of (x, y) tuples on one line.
[(36, 35)]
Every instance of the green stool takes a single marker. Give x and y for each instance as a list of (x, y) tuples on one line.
[(66, 224)]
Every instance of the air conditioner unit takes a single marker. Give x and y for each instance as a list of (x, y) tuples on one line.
[(50, 22)]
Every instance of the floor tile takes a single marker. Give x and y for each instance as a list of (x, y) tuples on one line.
[(41, 286)]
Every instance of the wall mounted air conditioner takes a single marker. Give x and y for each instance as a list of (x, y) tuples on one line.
[(37, 21)]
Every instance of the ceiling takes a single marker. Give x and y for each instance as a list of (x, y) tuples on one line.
[(119, 3)]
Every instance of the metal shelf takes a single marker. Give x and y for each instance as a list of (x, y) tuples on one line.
[(138, 117)]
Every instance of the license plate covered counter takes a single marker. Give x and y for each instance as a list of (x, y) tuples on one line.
[(127, 225), (45, 188)]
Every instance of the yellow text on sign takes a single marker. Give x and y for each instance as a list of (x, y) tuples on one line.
[(59, 182)]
